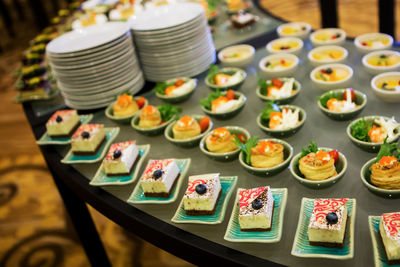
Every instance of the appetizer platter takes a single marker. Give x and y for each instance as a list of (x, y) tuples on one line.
[(225, 150)]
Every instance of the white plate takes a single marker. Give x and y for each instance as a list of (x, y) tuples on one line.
[(90, 51), (93, 56), (87, 38), (103, 93), (166, 16), (117, 56)]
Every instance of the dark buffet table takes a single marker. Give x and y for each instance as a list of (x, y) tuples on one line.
[(204, 244)]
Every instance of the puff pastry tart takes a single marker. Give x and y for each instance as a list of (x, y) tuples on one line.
[(317, 166), (220, 141), (266, 154), (149, 117), (185, 128), (385, 173)]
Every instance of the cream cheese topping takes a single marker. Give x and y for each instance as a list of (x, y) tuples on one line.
[(289, 119)]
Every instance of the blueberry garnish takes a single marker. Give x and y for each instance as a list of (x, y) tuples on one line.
[(282, 47), (85, 134), (256, 204), (59, 119), (338, 35), (328, 70), (383, 56), (201, 189), (117, 154), (384, 85), (267, 64), (332, 218), (157, 174)]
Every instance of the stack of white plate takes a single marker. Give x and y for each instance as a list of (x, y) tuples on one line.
[(173, 41), (95, 64)]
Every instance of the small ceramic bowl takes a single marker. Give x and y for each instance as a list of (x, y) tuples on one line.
[(179, 98), (280, 42), (208, 81), (365, 175), (303, 30), (153, 130), (286, 132), (246, 53), (191, 142), (340, 39), (284, 100), (318, 62), (125, 120), (229, 114), (212, 16), (380, 69), (340, 166), (228, 156), (287, 156), (369, 146), (361, 41), (278, 72), (360, 100), (327, 85), (390, 96)]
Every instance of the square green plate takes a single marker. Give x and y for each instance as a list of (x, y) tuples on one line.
[(228, 183), (47, 140), (234, 234), (101, 179), (137, 196), (111, 134), (301, 246), (377, 245)]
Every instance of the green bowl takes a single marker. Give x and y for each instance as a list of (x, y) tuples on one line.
[(360, 99), (369, 146), (191, 142), (284, 100), (124, 120), (227, 156), (287, 132), (230, 71), (229, 114), (365, 175), (287, 156), (340, 166), (181, 98), (150, 131)]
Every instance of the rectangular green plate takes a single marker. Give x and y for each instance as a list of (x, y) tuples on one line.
[(101, 179), (228, 183), (234, 234), (138, 197), (47, 140), (301, 246), (377, 245), (111, 134)]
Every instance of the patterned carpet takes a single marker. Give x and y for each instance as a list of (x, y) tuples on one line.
[(35, 231)]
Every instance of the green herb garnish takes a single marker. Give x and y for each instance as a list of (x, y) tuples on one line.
[(247, 146), (326, 97), (269, 107), (161, 86), (206, 102), (388, 150), (167, 111), (311, 148), (212, 71), (360, 129), (263, 85)]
